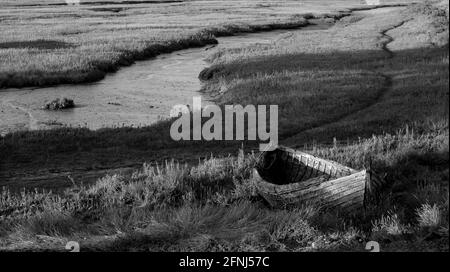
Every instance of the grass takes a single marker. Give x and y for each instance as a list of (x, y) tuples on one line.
[(376, 84), (326, 96), (48, 45), (340, 83), (213, 206)]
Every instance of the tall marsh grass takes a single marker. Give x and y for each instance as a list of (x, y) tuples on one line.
[(214, 206)]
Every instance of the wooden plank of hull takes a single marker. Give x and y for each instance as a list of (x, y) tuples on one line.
[(316, 184), (324, 193), (356, 180), (341, 192), (337, 200), (353, 201)]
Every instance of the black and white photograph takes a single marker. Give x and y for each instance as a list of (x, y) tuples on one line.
[(238, 127)]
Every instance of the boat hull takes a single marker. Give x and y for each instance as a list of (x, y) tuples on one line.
[(328, 185), (343, 193)]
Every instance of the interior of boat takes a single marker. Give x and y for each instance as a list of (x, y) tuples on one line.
[(284, 167)]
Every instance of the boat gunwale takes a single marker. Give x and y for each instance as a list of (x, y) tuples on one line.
[(300, 154)]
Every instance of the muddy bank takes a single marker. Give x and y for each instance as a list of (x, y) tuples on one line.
[(100, 69), (137, 95)]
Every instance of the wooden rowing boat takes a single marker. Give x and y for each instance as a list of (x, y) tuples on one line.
[(286, 177)]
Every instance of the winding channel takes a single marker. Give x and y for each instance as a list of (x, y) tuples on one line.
[(138, 95)]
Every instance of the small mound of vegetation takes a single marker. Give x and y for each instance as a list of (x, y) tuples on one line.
[(59, 104)]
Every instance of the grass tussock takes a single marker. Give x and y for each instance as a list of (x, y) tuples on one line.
[(59, 104)]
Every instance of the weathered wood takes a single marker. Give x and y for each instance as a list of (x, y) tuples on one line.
[(287, 188), (353, 198), (324, 194), (300, 155), (336, 183), (313, 180)]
